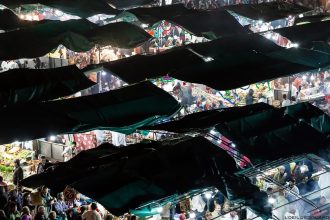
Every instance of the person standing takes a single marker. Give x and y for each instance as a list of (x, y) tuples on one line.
[(249, 97), (60, 207), (68, 151), (18, 172), (286, 101), (92, 214), (26, 213), (43, 165)]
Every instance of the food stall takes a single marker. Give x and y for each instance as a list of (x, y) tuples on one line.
[(17, 150)]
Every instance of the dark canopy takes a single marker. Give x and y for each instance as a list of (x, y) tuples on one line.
[(128, 177), (121, 110), (77, 35), (311, 19), (32, 85), (260, 131), (81, 8), (307, 33), (126, 4), (205, 120), (234, 62), (199, 22), (267, 11), (277, 133)]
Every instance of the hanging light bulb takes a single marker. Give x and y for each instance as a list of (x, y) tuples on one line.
[(208, 195), (159, 209)]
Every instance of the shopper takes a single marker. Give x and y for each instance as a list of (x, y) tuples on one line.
[(262, 98), (47, 200), (13, 213), (281, 176), (60, 207), (52, 216), (41, 215), (286, 101), (249, 99), (26, 213), (27, 200), (18, 172), (92, 214)]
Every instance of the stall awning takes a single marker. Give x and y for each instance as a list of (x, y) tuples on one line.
[(126, 178), (222, 64), (199, 22), (76, 35), (207, 119), (261, 132), (305, 34), (267, 11), (81, 8), (311, 19), (121, 110), (33, 85), (126, 4)]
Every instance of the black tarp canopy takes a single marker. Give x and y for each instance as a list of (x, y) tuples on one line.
[(267, 11), (261, 132), (32, 85), (126, 4), (77, 35), (201, 121), (121, 110), (311, 19), (81, 8), (234, 62), (305, 34), (126, 178), (279, 133), (216, 22)]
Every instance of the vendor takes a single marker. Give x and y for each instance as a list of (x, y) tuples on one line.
[(43, 165), (18, 172), (69, 151)]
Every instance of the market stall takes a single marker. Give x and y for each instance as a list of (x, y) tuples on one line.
[(17, 150)]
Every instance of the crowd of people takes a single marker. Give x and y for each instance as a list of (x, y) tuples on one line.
[(42, 204), (292, 181)]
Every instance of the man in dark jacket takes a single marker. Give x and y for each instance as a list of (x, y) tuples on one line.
[(18, 172), (43, 165)]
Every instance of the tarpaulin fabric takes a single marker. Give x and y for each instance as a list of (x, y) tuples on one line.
[(76, 35), (207, 119), (277, 133), (199, 22), (149, 171), (121, 110), (283, 142), (311, 19), (81, 8), (311, 115), (305, 34), (267, 11), (33, 85), (219, 63), (126, 4)]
